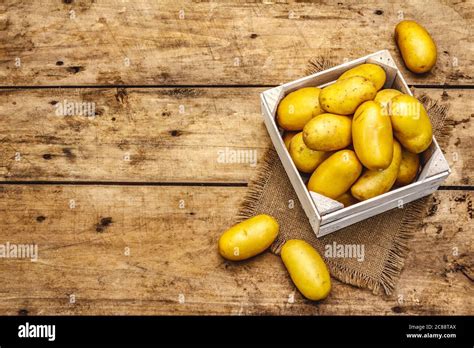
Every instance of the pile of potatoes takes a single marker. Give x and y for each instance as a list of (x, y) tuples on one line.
[(356, 139)]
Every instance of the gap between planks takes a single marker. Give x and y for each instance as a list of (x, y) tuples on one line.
[(122, 183), (158, 183), (432, 86)]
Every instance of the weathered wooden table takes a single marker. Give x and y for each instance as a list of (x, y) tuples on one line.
[(126, 208)]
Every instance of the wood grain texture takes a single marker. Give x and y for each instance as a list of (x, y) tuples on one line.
[(84, 42), (141, 249), (162, 143), (173, 257), (145, 135), (459, 150)]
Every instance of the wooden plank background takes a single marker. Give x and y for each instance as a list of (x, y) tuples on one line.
[(173, 84), (176, 42), (144, 136), (173, 257)]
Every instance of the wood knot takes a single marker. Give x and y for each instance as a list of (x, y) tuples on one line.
[(74, 69), (23, 312), (103, 224), (121, 96)]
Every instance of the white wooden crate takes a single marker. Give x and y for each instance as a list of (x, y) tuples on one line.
[(326, 215)]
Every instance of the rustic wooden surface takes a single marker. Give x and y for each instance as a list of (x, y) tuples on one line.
[(173, 256), (151, 198), (77, 148), (176, 42)]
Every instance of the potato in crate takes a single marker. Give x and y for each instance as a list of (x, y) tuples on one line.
[(354, 141)]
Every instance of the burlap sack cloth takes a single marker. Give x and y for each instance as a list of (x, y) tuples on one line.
[(385, 237)]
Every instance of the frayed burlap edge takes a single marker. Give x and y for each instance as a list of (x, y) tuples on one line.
[(397, 252), (256, 187), (414, 213)]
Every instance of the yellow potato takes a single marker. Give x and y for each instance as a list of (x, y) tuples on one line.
[(416, 46), (248, 238), (411, 124), (408, 168), (372, 136), (371, 72), (298, 107), (384, 98), (335, 175), (344, 96), (307, 269), (305, 159), (347, 199), (287, 136), (374, 182), (328, 132)]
